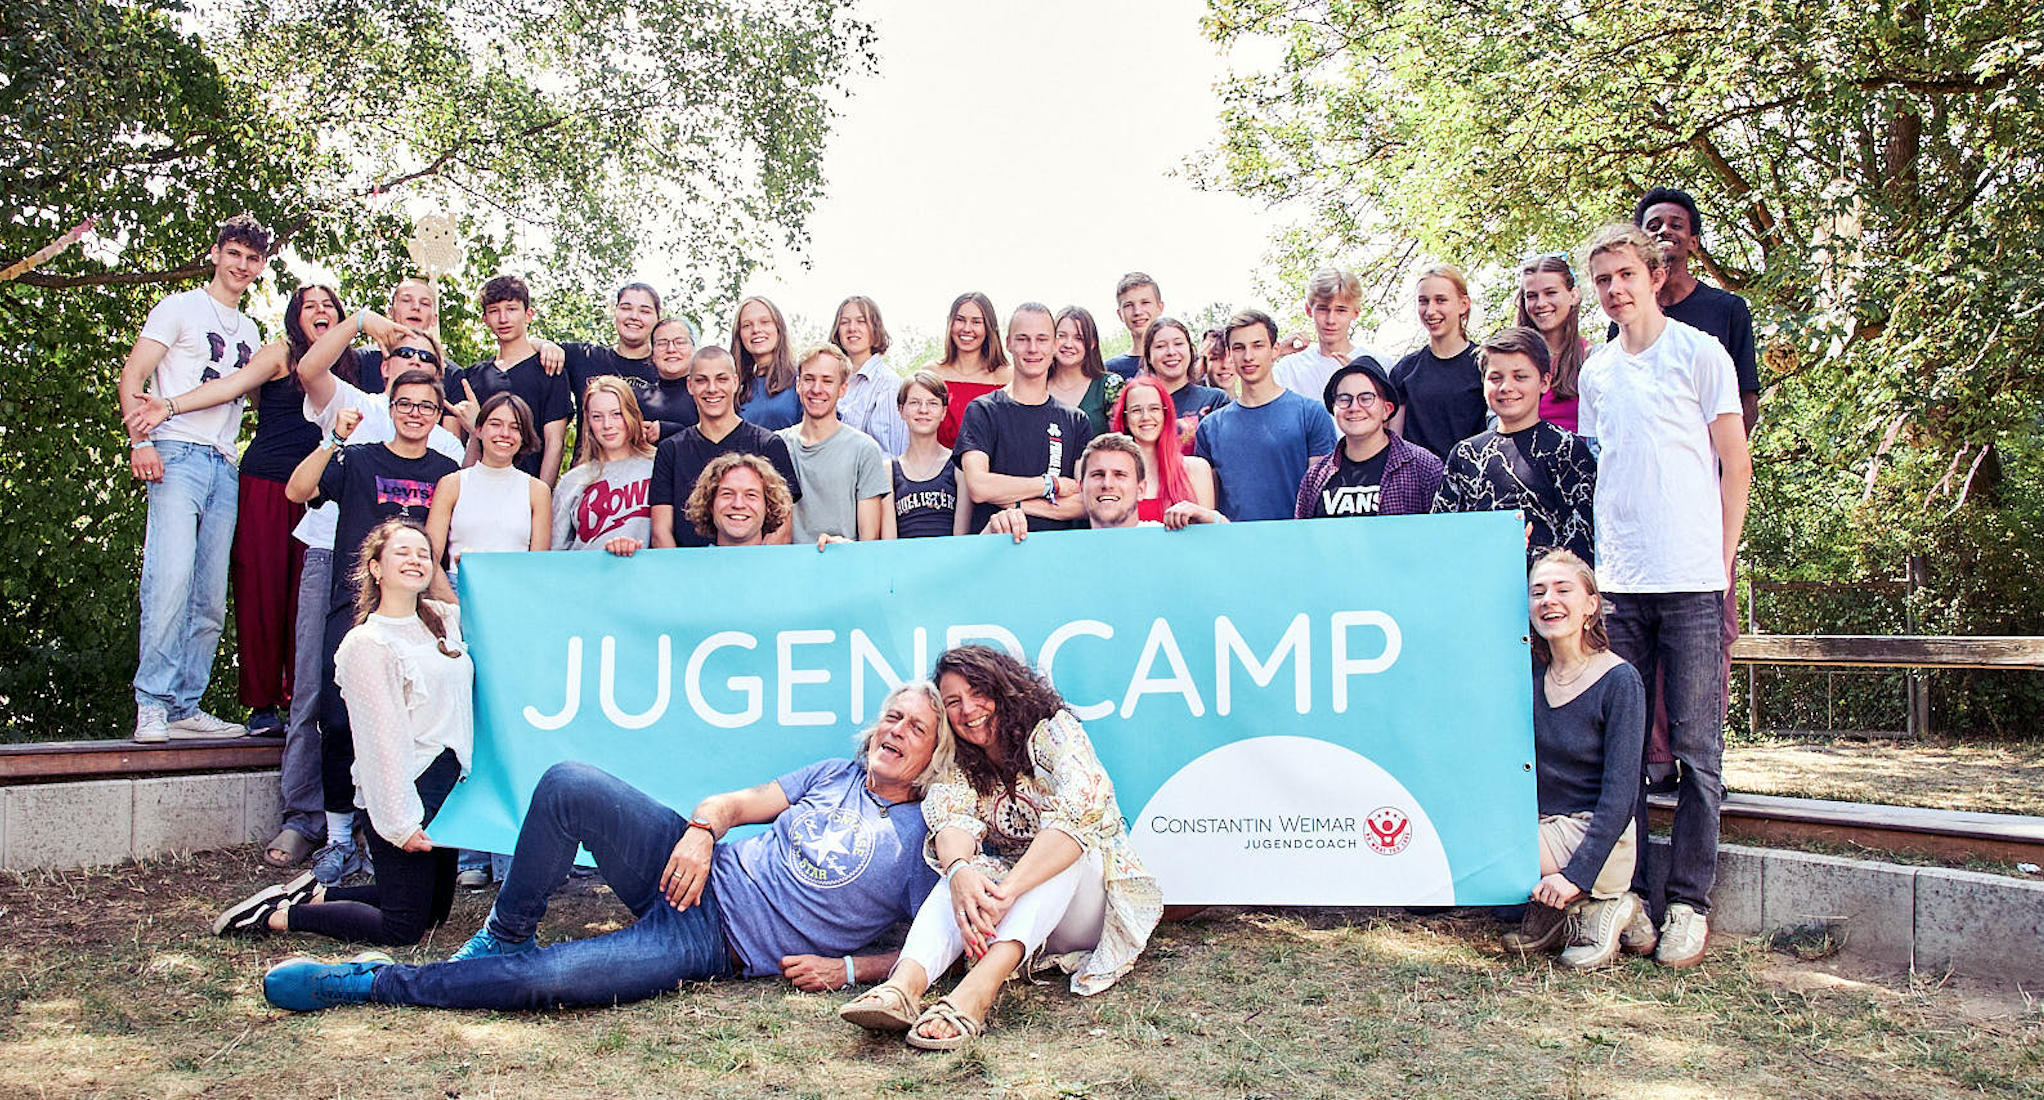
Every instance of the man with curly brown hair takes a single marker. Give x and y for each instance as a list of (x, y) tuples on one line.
[(739, 498)]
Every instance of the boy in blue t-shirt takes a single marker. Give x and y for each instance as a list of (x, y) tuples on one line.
[(1261, 445)]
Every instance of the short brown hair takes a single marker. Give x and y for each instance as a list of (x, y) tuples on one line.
[(1516, 340), (927, 379), (244, 230), (1248, 318), (1118, 443), (1131, 281), (505, 288), (1619, 235), (521, 413), (703, 498)]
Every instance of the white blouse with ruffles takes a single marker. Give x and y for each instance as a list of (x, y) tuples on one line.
[(407, 702)]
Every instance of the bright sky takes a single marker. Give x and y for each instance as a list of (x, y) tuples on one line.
[(1027, 150)]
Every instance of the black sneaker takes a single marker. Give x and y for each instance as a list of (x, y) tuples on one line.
[(252, 916)]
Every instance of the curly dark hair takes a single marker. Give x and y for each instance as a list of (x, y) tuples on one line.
[(1022, 699)]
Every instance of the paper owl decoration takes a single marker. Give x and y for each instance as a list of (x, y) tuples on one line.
[(435, 246)]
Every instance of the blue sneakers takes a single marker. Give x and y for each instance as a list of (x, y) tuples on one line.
[(306, 984), (485, 943), (334, 863)]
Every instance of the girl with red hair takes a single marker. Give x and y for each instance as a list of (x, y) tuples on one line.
[(1145, 412)]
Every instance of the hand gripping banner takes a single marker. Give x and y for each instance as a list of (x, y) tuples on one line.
[(1317, 712)]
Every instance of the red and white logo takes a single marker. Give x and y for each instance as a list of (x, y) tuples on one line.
[(1387, 830)]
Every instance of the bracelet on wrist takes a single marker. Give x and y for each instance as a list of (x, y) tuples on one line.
[(171, 404), (138, 444), (850, 978)]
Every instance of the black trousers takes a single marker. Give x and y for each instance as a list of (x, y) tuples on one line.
[(413, 891)]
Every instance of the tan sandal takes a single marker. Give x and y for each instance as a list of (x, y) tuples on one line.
[(289, 849), (967, 1027), (885, 1007)]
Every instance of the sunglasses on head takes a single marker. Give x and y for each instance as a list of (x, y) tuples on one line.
[(421, 354)]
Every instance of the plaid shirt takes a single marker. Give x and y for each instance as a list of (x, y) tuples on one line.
[(1412, 475)]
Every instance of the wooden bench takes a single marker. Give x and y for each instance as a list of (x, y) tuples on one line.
[(1941, 834), (1888, 651), (52, 761)]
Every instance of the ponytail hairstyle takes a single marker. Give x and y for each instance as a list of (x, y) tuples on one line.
[(1568, 366), (1167, 459), (1595, 638), (1457, 280), (368, 592)]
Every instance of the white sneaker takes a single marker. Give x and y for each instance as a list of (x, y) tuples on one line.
[(1595, 942), (151, 725), (198, 724), (1683, 932), (1639, 937)]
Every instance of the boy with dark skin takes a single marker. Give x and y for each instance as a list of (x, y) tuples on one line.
[(1671, 218)]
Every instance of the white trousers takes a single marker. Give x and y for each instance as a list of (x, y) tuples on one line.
[(1064, 914)]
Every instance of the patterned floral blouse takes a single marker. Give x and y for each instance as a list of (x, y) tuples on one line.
[(1547, 471), (1065, 789)]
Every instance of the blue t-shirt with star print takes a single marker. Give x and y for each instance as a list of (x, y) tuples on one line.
[(836, 869)]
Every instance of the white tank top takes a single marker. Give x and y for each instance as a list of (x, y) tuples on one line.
[(493, 512)]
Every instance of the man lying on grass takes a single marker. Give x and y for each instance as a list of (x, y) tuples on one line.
[(841, 864)]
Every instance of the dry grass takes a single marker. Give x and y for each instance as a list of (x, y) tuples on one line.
[(110, 986), (2005, 777)]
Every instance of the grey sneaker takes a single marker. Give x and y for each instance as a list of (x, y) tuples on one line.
[(198, 724), (152, 725), (1595, 943), (1639, 936), (474, 878), (1683, 932)]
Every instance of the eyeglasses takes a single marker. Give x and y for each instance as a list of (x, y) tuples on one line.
[(675, 344), (922, 403), (1365, 400), (407, 405), (421, 354)]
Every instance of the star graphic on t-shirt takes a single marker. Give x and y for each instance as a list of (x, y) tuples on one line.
[(832, 842)]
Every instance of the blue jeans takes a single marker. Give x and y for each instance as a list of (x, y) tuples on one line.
[(1679, 637), (184, 575), (299, 776), (631, 836)]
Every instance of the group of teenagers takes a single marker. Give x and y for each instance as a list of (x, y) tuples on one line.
[(975, 807)]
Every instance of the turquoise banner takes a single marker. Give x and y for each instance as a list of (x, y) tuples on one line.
[(1325, 712)]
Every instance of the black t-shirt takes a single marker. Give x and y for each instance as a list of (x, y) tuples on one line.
[(545, 394), (683, 456), (1351, 490), (283, 437), (924, 508), (1023, 441), (1442, 398), (586, 361), (371, 483), (369, 369), (666, 402)]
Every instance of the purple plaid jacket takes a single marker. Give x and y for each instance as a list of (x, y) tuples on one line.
[(1412, 475)]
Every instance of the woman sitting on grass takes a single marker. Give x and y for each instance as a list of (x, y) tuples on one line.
[(1036, 861), (1589, 724), (407, 681)]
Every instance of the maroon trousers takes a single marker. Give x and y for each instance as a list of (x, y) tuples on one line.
[(264, 572)]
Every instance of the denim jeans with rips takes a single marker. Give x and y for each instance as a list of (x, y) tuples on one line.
[(184, 575)]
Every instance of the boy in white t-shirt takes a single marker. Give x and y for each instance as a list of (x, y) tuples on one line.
[(189, 463), (1334, 299), (1662, 400)]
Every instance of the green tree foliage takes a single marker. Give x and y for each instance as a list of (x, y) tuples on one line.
[(1870, 178), (571, 139)]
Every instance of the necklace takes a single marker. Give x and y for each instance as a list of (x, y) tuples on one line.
[(1554, 674), (885, 806), (227, 328)]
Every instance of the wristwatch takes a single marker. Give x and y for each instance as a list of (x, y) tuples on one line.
[(704, 825)]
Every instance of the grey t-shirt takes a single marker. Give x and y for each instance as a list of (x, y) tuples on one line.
[(836, 475), (599, 501)]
